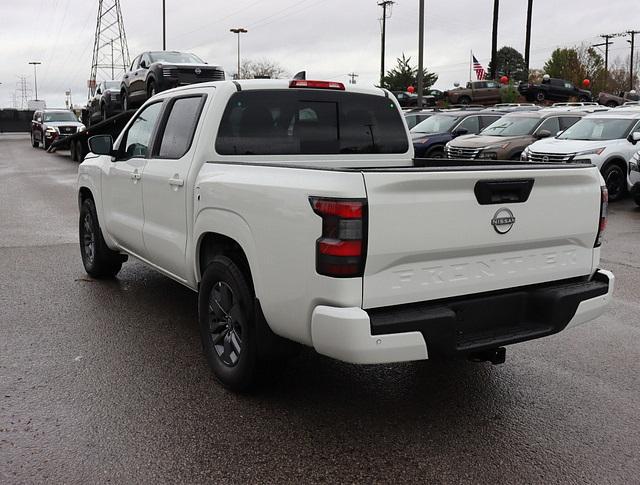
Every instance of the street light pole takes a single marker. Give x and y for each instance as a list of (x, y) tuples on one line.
[(35, 76), (164, 26), (238, 31), (420, 79)]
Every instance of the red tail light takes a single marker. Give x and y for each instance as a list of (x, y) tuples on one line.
[(304, 83), (341, 250), (602, 221)]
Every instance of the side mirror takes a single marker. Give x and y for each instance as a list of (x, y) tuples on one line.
[(101, 144), (543, 134), (143, 64), (460, 132), (560, 133), (634, 137)]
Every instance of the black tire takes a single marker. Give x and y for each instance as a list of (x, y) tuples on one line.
[(125, 100), (151, 89), (540, 97), (34, 143), (72, 151), (99, 261), (636, 199), (616, 181), (435, 152), (103, 112), (79, 150), (464, 100), (227, 324), (45, 144)]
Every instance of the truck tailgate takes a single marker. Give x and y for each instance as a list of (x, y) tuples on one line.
[(431, 238)]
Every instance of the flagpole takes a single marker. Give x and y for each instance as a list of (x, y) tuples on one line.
[(470, 63)]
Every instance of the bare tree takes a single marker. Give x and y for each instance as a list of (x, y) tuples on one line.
[(262, 68)]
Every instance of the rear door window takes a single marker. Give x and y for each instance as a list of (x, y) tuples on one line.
[(551, 125), (567, 121), (180, 126), (308, 122)]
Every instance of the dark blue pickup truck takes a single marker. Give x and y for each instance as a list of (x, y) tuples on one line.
[(430, 136)]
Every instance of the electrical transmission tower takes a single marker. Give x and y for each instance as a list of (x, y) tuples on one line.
[(110, 49), (23, 92)]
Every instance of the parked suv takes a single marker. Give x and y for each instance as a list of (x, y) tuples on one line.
[(612, 100), (633, 179), (417, 115), (506, 138), (430, 136), (153, 72), (49, 125), (555, 90), (607, 140), (105, 102)]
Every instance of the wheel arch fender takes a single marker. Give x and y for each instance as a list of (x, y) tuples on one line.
[(617, 160), (225, 227)]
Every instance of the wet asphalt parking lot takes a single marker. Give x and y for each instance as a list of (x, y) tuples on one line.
[(105, 381)]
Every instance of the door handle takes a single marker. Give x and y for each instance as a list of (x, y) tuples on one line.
[(176, 182), (135, 176)]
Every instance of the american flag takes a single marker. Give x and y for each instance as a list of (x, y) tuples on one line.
[(480, 72)]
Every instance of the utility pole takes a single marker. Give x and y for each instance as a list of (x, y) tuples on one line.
[(494, 38), (164, 26), (384, 4), (353, 77), (35, 77), (607, 42), (420, 79), (632, 33), (527, 43)]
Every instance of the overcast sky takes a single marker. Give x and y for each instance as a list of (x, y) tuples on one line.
[(328, 38)]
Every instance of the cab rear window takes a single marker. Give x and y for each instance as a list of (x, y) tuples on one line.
[(309, 122)]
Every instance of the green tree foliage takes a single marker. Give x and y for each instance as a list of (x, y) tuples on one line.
[(404, 75), (509, 63), (576, 64)]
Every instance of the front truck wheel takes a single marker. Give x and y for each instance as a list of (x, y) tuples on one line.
[(227, 324), (99, 261)]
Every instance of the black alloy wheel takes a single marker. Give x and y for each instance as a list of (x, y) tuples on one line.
[(88, 239), (615, 180), (226, 323), (540, 97)]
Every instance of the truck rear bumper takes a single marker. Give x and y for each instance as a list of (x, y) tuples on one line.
[(458, 326)]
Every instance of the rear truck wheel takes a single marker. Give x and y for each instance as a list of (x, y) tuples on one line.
[(227, 324), (615, 180), (435, 152), (540, 97), (464, 100), (79, 150), (72, 151), (34, 143), (151, 89), (125, 100), (99, 261)]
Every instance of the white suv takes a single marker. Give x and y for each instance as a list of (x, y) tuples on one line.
[(634, 176), (608, 140)]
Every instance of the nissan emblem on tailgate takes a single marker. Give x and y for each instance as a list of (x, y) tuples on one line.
[(198, 70), (503, 221)]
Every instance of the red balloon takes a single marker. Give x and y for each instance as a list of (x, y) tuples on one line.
[(411, 89), (504, 80), (586, 83)]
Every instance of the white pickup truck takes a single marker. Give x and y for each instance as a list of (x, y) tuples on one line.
[(297, 212)]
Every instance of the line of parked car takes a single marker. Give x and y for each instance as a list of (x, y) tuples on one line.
[(566, 132)]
